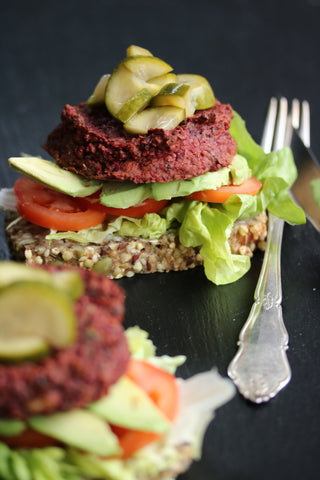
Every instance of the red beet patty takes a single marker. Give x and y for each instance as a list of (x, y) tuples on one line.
[(91, 142), (75, 376)]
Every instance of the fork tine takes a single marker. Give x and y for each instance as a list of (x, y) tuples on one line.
[(305, 123), (268, 130), (280, 133), (295, 113)]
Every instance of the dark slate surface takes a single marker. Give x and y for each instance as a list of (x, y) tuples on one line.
[(52, 53)]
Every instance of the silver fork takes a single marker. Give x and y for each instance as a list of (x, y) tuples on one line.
[(260, 368)]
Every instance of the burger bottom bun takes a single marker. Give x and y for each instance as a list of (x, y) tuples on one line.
[(120, 257)]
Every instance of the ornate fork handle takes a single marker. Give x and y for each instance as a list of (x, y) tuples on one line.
[(260, 369)]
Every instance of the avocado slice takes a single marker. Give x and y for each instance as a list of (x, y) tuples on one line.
[(68, 281), (127, 405), (182, 188), (51, 175), (79, 428), (11, 426), (127, 194), (124, 194), (239, 170)]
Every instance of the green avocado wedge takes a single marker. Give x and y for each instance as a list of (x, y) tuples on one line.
[(79, 428), (126, 194), (11, 426), (51, 175), (127, 405)]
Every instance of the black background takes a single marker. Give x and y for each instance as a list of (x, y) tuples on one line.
[(53, 53)]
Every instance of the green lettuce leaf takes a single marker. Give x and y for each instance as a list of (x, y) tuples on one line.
[(276, 171), (142, 348)]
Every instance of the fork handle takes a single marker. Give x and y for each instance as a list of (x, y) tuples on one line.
[(260, 368)]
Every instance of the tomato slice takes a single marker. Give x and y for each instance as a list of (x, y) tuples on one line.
[(150, 205), (48, 208), (51, 209), (160, 385), (251, 186), (162, 388)]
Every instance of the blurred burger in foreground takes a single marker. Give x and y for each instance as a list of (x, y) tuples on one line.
[(81, 398)]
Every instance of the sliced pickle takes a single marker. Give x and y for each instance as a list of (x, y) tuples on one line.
[(163, 80), (134, 50), (175, 95), (14, 350), (202, 95), (34, 315), (68, 281), (98, 95), (122, 86), (134, 105), (155, 117), (146, 67)]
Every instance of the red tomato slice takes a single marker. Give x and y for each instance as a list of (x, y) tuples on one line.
[(150, 205), (251, 186), (162, 388), (160, 385), (51, 209)]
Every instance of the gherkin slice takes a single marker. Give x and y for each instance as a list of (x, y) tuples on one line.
[(163, 80), (202, 94), (122, 86), (176, 95), (98, 94), (146, 67), (134, 105), (34, 317), (165, 118), (68, 281), (134, 50)]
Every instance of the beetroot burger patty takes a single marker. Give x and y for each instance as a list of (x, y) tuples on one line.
[(75, 376), (94, 144)]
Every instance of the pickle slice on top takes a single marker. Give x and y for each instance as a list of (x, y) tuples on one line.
[(166, 117), (34, 317), (68, 281)]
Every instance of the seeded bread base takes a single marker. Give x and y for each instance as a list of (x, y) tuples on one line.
[(120, 257), (184, 457)]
